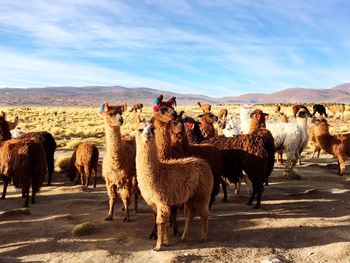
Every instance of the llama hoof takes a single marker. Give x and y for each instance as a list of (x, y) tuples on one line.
[(123, 209), (256, 206), (157, 249), (126, 219), (203, 240), (109, 218), (2, 198)]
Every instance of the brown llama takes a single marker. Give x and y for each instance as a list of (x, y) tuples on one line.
[(205, 107), (164, 184), (207, 124), (84, 160), (223, 114), (24, 163), (338, 144), (118, 166), (136, 107)]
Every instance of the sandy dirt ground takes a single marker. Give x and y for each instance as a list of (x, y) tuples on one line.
[(303, 220)]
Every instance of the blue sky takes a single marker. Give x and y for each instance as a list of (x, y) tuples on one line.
[(218, 48)]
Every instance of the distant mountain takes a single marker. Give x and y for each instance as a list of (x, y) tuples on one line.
[(94, 96)]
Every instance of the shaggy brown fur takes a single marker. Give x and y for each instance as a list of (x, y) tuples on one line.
[(244, 152), (23, 162), (164, 184), (337, 109), (223, 114), (4, 129), (296, 108), (84, 160), (136, 107), (211, 154), (207, 124), (118, 167), (205, 107), (49, 143), (337, 144)]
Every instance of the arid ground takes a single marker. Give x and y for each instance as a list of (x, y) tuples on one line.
[(303, 220)]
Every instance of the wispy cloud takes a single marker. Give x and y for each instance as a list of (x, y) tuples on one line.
[(213, 47)]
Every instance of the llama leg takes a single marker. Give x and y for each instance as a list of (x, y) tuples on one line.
[(112, 194), (318, 152), (50, 168), (87, 172), (238, 187), (153, 234), (5, 184), (260, 189), (173, 215), (341, 165), (188, 211), (204, 223), (125, 196), (163, 213), (136, 196), (252, 196), (95, 176), (224, 189), (25, 193)]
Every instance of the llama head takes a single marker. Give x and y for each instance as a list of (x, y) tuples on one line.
[(245, 111), (164, 113), (4, 129), (207, 118), (322, 126), (259, 116), (302, 113), (177, 126), (277, 108), (113, 114), (145, 131)]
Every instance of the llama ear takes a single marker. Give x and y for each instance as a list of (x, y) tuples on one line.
[(181, 113), (158, 100), (125, 106)]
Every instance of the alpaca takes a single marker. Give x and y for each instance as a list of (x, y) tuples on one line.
[(207, 124), (205, 107), (24, 163), (118, 166), (320, 109), (282, 119), (136, 107), (84, 161), (12, 124), (5, 133), (338, 144), (49, 143), (164, 184)]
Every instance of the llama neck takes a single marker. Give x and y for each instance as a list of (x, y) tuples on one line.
[(113, 140), (255, 125), (162, 138), (302, 122), (324, 139), (147, 161)]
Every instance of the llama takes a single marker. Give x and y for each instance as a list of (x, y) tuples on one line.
[(229, 127), (244, 115), (118, 166), (205, 107), (12, 124), (320, 109), (312, 138), (207, 124), (49, 143), (338, 144), (24, 163), (136, 107), (182, 148), (164, 184), (223, 114), (84, 160)]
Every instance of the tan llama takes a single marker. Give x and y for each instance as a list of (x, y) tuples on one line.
[(118, 167), (164, 184)]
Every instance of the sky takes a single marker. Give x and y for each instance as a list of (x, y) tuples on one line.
[(216, 48)]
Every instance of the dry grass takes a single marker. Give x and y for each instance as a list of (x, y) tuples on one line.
[(71, 125)]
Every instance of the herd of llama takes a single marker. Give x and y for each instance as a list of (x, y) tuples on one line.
[(176, 161)]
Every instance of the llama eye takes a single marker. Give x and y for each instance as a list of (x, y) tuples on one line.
[(140, 130)]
